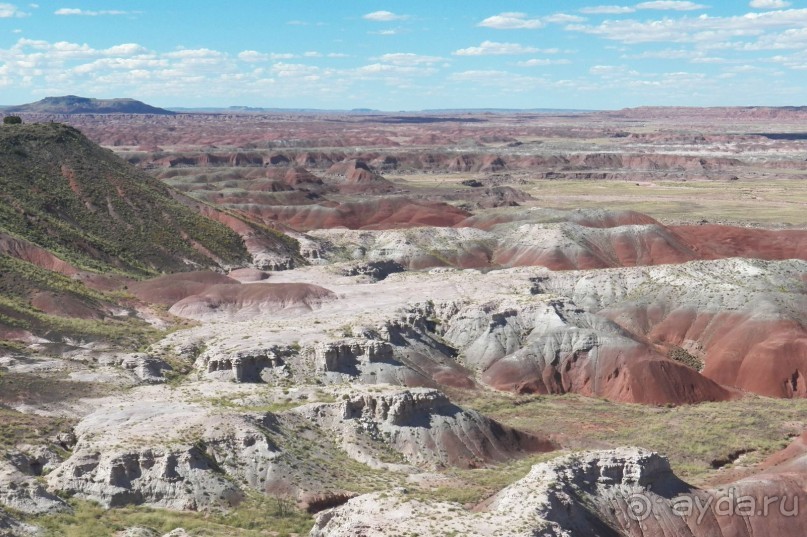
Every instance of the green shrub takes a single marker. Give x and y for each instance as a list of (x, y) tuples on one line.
[(681, 355)]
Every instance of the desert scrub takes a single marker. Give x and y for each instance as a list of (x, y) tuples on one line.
[(130, 333), (35, 388), (471, 486), (691, 436), (255, 517), (64, 193), (18, 428), (681, 355)]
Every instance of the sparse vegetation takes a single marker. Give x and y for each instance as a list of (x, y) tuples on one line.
[(681, 355), (18, 428), (61, 191), (691, 436), (253, 518)]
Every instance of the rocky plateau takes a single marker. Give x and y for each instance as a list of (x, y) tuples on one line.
[(395, 325)]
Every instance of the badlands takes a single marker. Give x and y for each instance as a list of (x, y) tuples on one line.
[(492, 324)]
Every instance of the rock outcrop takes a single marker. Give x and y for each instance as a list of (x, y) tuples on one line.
[(557, 347), (11, 527), (626, 492), (743, 318), (144, 367), (253, 365), (169, 455), (423, 427), (376, 270), (342, 356), (22, 492)]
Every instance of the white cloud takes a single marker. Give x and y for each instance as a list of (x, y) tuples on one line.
[(387, 69), (384, 16), (709, 60), (195, 54), (125, 49), (511, 21), (796, 62), (40, 67), (9, 11), (769, 4), (667, 54), (253, 56), (491, 48), (794, 38), (479, 75), (407, 58), (703, 30), (542, 62), (670, 5), (143, 64), (294, 70), (607, 10), (386, 32), (606, 70), (563, 18), (90, 13)]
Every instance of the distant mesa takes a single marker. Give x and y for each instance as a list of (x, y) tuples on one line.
[(71, 104)]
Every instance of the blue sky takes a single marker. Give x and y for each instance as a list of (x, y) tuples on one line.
[(408, 55)]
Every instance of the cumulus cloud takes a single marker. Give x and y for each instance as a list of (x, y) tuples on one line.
[(480, 75), (202, 75), (253, 56), (143, 64), (703, 30), (667, 54), (563, 18), (10, 11), (769, 4), (125, 49), (511, 21), (89, 13), (395, 70), (793, 38), (492, 48), (384, 16), (294, 70), (407, 58), (607, 10), (195, 54), (670, 5), (543, 62)]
